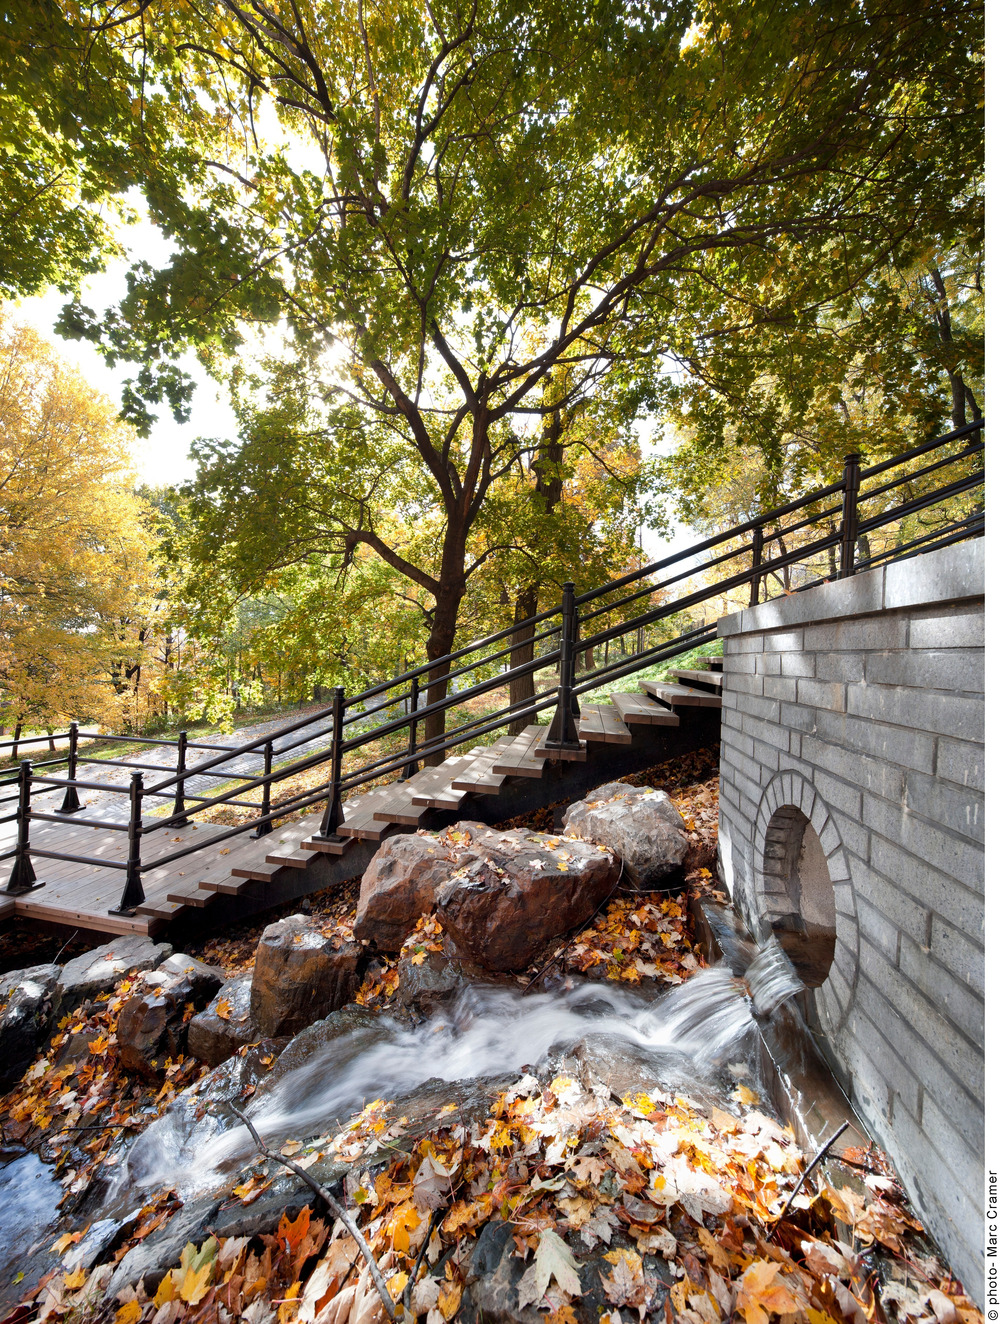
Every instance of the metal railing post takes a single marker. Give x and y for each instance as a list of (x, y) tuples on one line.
[(262, 829), (333, 815), (563, 735), (178, 818), (758, 556), (22, 877), (413, 704), (71, 801), (849, 518), (133, 895)]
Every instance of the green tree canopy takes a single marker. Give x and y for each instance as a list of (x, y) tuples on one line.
[(474, 218)]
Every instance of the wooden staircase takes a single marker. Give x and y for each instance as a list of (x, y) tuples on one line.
[(456, 785)]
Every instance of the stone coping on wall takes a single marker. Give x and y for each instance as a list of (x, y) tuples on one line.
[(950, 574)]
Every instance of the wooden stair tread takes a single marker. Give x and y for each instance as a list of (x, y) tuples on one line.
[(479, 778), (680, 694), (604, 721), (641, 710), (696, 678), (518, 759), (434, 787), (359, 816)]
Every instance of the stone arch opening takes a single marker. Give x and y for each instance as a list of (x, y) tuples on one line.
[(800, 898)]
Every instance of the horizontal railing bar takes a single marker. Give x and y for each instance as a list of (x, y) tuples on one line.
[(802, 524), (35, 763), (742, 550), (977, 425), (307, 798), (125, 740), (457, 736), (932, 535), (919, 503), (122, 763), (199, 768), (943, 463), (504, 652), (81, 785), (452, 700), (76, 859), (33, 740), (9, 818), (358, 779), (659, 653), (200, 744), (79, 822), (8, 854)]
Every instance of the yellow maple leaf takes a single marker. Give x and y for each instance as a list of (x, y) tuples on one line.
[(449, 1299), (418, 958), (196, 1284), (167, 1290), (130, 1313), (76, 1279), (63, 1244), (743, 1094), (224, 1009)]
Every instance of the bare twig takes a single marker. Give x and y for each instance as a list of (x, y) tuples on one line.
[(820, 1155), (435, 1220), (333, 1204)]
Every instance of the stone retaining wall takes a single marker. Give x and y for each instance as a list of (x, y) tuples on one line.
[(851, 825)]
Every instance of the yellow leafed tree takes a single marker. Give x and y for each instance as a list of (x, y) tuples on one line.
[(77, 588)]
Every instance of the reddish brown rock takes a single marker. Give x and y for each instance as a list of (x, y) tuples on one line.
[(300, 976), (398, 887), (518, 890), (153, 1024)]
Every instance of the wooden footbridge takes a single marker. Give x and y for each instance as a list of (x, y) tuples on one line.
[(139, 872)]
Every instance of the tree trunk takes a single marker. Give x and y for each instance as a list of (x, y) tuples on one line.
[(522, 688), (439, 644), (17, 737)]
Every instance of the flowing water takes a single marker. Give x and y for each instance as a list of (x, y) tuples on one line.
[(686, 1038), (29, 1198)]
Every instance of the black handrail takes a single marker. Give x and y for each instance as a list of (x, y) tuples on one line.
[(741, 561)]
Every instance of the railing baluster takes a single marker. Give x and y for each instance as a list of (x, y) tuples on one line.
[(758, 555), (178, 818), (849, 519), (563, 734), (333, 816), (413, 766), (262, 829), (71, 802), (22, 877), (133, 896)]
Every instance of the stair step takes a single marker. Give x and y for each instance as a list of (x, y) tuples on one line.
[(680, 694), (359, 820), (641, 710), (434, 787), (715, 663), (711, 680), (518, 759), (601, 721), (326, 845), (567, 755), (293, 859), (479, 778)]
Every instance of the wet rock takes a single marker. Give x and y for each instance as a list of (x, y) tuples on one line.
[(150, 1259), (98, 971), (361, 1026), (196, 1117), (398, 887), (638, 823), (300, 976), (225, 1025), (517, 893), (495, 1272), (423, 987), (26, 1009), (153, 1025), (205, 980)]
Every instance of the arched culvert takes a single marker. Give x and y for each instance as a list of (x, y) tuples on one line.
[(800, 902)]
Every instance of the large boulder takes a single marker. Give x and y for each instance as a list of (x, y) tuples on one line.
[(518, 891), (99, 970), (638, 823), (398, 887), (153, 1024), (300, 976), (26, 1007), (225, 1025)]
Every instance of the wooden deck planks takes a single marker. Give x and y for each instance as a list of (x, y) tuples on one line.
[(641, 710), (681, 694)]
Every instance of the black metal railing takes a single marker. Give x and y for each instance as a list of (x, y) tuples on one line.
[(870, 516)]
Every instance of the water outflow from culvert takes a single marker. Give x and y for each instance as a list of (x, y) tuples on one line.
[(686, 1039)]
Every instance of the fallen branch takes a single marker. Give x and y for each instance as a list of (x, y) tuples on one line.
[(819, 1157), (333, 1204)]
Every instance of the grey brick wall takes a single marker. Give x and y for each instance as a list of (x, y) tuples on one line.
[(860, 703)]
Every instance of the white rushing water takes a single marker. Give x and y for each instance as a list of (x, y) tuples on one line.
[(691, 1030)]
